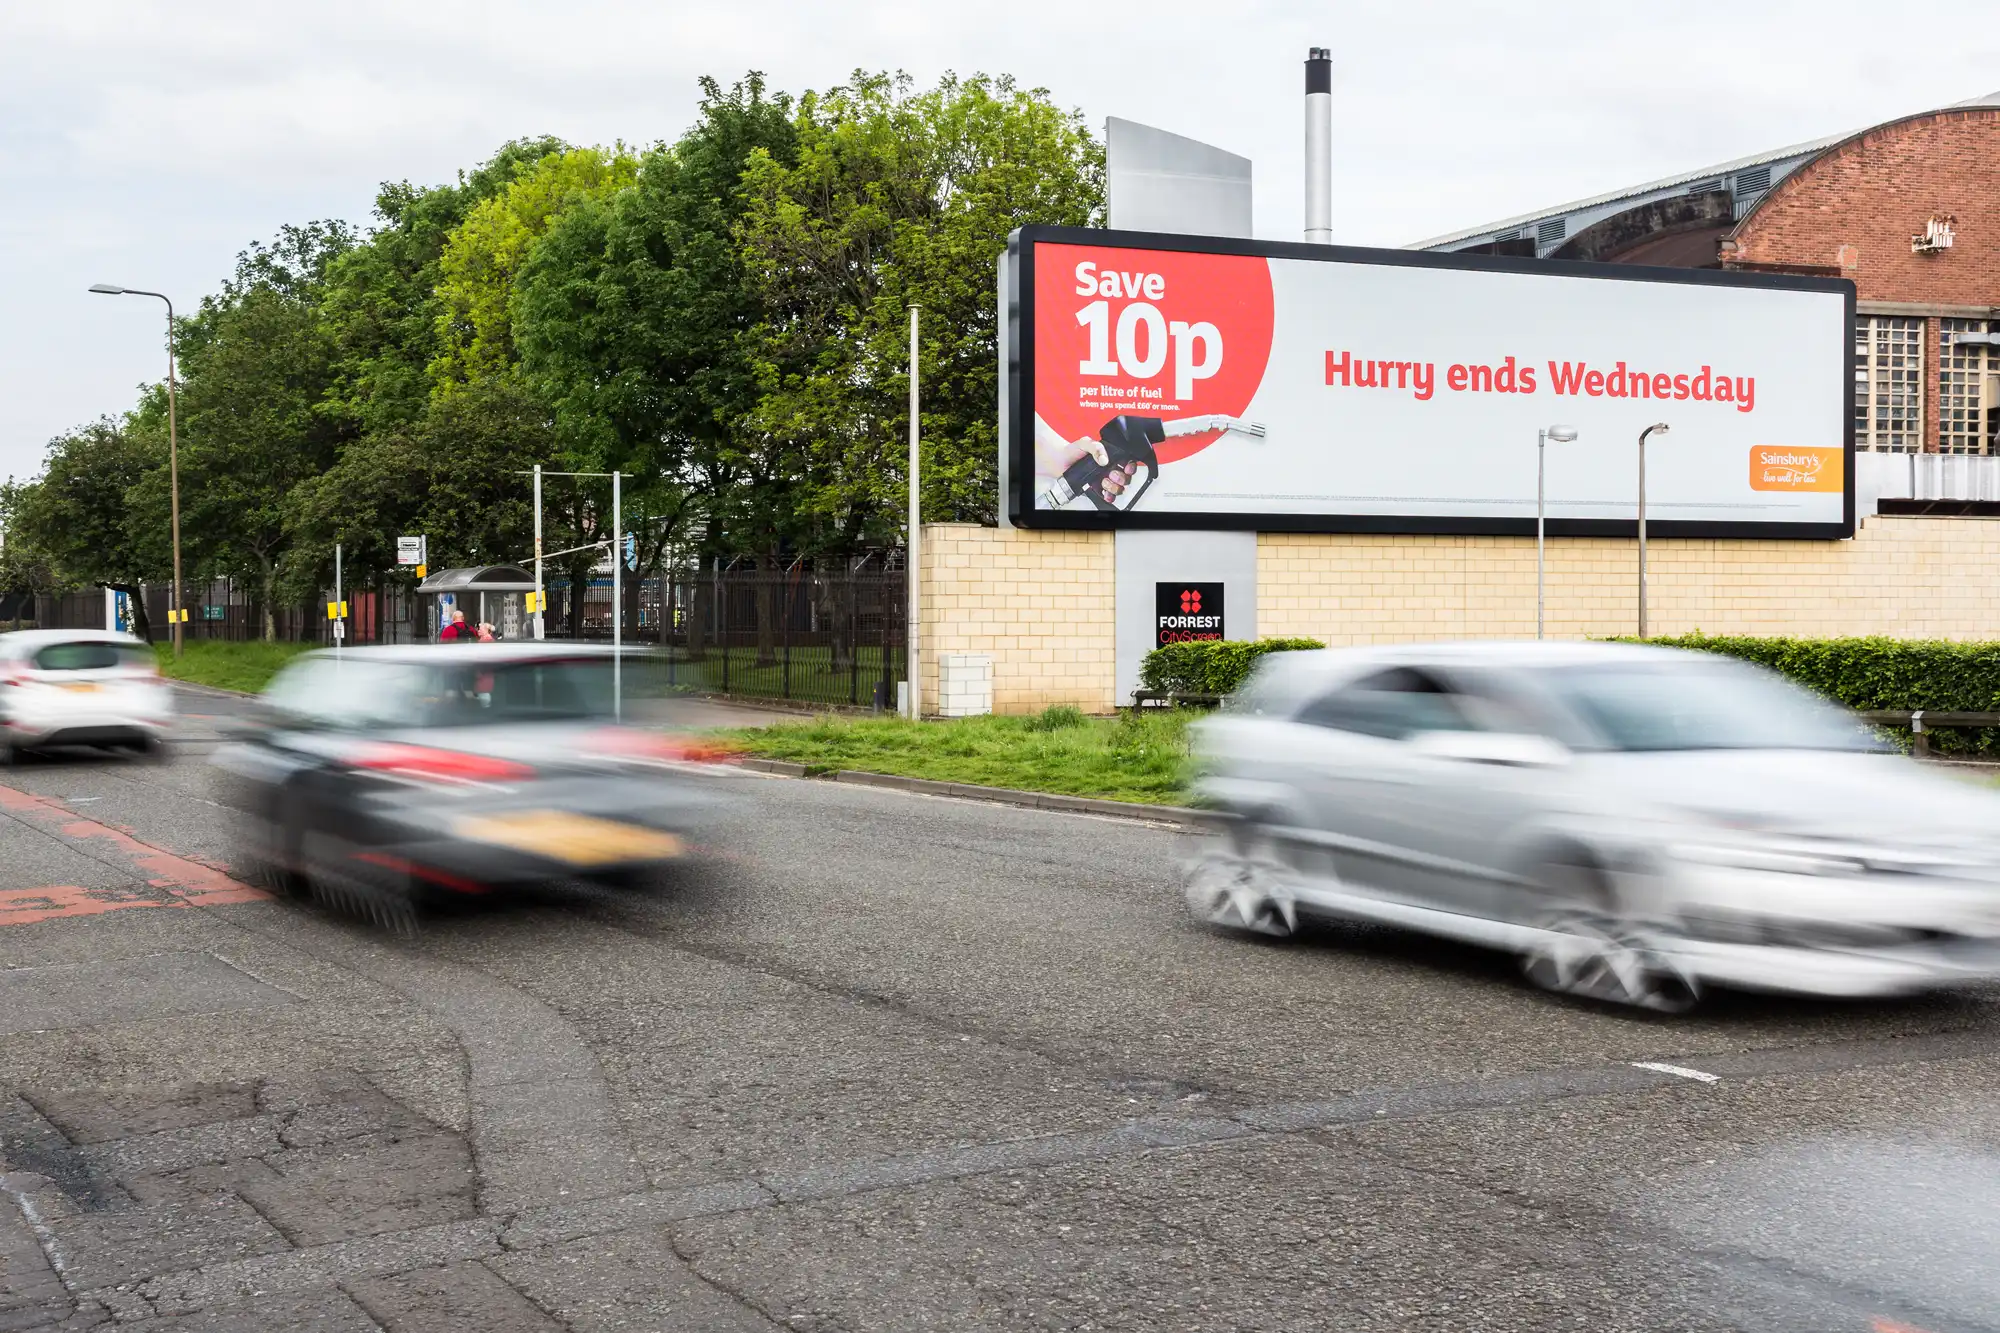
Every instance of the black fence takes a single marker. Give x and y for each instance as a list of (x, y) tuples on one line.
[(226, 611), (828, 633), (812, 635)]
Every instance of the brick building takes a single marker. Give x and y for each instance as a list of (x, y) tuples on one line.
[(1909, 209)]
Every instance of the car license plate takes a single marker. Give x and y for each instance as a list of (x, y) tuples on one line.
[(578, 840), (80, 686)]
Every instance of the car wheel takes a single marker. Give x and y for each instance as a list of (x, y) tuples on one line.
[(1592, 956), (1240, 882)]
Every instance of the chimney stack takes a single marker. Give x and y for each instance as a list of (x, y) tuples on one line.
[(1319, 147)]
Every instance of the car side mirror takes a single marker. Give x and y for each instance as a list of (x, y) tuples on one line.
[(1509, 749)]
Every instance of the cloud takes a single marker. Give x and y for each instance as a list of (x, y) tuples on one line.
[(148, 143)]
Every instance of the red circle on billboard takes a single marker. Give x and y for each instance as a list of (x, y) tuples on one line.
[(1150, 333)]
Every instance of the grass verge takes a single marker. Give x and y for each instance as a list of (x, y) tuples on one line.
[(1130, 758), (246, 665)]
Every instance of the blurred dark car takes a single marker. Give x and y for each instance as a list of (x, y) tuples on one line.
[(384, 779)]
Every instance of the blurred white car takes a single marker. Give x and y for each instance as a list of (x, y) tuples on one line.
[(1636, 823), (80, 687)]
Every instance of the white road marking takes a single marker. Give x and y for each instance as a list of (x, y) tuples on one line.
[(1678, 1071)]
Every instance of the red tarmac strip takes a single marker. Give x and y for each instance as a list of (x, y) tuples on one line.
[(183, 882)]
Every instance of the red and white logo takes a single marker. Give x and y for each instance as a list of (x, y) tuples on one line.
[(1151, 333), (1190, 602)]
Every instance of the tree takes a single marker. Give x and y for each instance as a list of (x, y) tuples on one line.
[(81, 521), (380, 300), (634, 321), (258, 364), (484, 252), (899, 198)]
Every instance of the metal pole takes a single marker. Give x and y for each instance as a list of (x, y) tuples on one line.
[(338, 625), (174, 477), (914, 564), (1642, 530), (1541, 463), (1319, 147), (539, 594), (617, 601)]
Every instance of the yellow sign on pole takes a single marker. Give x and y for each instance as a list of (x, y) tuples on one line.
[(334, 611), (421, 569)]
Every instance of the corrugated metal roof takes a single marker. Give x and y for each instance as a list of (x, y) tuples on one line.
[(1667, 182), (1632, 191)]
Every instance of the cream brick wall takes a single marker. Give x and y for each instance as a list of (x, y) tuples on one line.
[(1042, 604), (1039, 602), (1909, 578)]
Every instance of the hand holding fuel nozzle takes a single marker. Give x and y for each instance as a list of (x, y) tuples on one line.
[(1125, 447)]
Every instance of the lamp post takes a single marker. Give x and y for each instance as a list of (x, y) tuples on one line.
[(1657, 428), (1561, 435), (173, 451), (914, 562)]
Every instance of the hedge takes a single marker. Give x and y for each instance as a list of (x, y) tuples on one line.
[(1931, 674), (1212, 666), (1878, 673)]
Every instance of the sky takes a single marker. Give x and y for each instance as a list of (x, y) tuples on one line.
[(145, 144)]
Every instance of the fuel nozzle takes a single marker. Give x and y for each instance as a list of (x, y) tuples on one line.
[(1132, 439)]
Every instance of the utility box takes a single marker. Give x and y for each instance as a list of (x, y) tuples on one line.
[(965, 684)]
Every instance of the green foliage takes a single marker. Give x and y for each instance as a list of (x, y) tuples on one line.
[(484, 253), (632, 317), (246, 666), (898, 198), (1133, 758), (1877, 673), (81, 523), (259, 365), (1215, 666), (1056, 717), (722, 320)]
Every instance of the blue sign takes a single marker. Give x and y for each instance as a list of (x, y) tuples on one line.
[(631, 551)]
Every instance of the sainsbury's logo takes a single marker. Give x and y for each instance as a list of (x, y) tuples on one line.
[(1796, 468)]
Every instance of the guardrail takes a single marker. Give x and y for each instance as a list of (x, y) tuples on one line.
[(1920, 721)]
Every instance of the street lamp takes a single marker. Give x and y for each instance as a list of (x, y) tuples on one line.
[(1561, 435), (1657, 428), (173, 450)]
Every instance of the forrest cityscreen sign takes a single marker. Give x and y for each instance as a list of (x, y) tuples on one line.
[(1236, 384)]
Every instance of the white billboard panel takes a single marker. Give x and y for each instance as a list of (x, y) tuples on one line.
[(1193, 382)]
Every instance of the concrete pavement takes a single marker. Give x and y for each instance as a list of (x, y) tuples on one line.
[(902, 1062)]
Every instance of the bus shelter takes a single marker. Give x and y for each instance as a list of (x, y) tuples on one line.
[(488, 594)]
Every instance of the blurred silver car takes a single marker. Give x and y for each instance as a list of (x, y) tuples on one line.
[(1636, 823), (80, 687)]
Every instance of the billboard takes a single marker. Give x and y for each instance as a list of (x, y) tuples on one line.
[(1191, 382)]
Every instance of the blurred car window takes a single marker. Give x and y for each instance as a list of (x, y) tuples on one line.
[(354, 694), (546, 690), (90, 656), (1391, 704), (1672, 706), (1507, 702)]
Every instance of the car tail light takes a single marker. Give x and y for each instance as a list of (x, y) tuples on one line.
[(429, 764)]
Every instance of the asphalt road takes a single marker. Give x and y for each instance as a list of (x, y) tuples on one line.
[(902, 1062)]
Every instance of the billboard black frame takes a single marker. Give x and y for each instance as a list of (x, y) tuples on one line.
[(1018, 385)]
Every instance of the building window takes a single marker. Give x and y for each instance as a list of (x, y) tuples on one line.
[(1888, 383), (1968, 385)]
